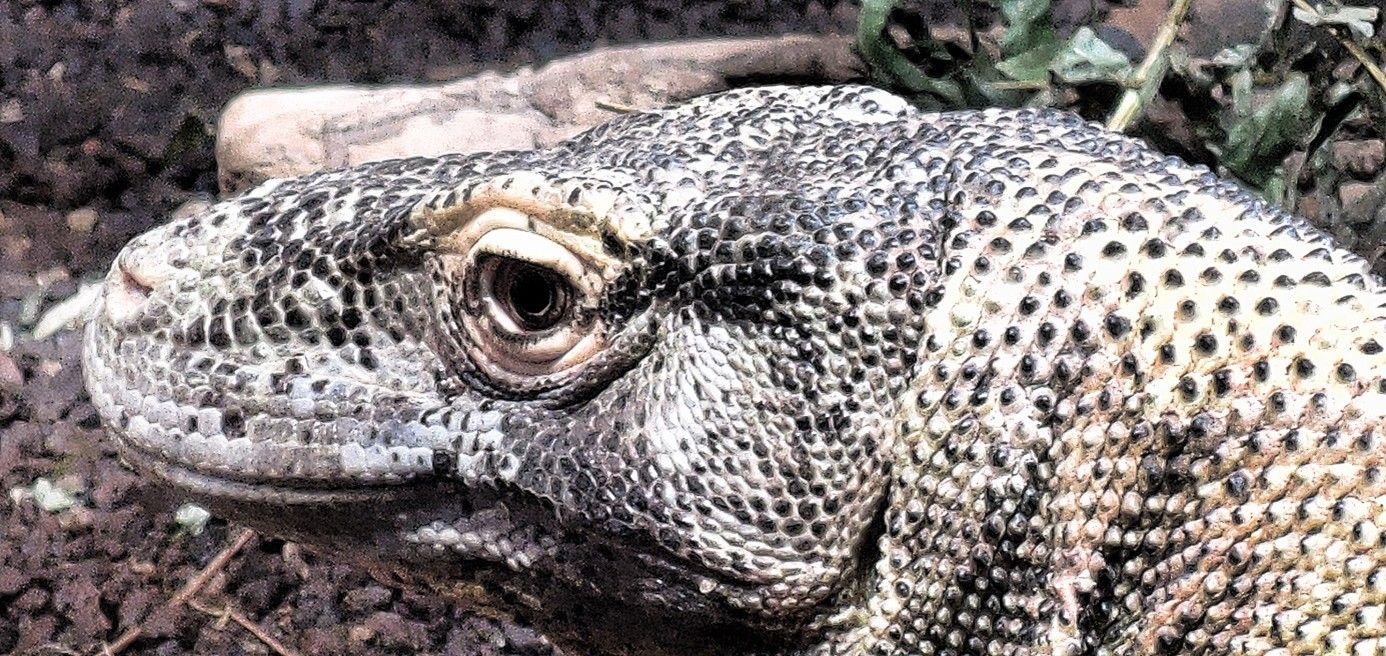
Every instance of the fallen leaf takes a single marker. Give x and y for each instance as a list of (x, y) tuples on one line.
[(1359, 20), (1087, 58), (68, 312)]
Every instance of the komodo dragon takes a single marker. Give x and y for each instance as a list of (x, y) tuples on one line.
[(786, 371)]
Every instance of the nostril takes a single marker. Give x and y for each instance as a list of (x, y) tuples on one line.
[(131, 280), (127, 291)]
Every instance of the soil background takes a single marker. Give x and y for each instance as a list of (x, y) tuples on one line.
[(107, 111), (106, 117)]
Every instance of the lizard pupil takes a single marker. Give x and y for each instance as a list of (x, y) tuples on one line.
[(535, 298)]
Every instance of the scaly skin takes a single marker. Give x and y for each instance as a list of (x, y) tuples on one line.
[(789, 370)]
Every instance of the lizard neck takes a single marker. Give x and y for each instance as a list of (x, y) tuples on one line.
[(1066, 467)]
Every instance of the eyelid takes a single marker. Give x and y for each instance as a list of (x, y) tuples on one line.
[(540, 251)]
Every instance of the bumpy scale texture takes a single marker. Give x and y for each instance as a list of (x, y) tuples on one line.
[(832, 376)]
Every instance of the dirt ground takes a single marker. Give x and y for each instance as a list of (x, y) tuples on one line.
[(105, 117)]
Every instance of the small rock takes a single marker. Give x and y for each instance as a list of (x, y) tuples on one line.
[(50, 497), (240, 60), (322, 640), (191, 518), (52, 276), (31, 600), (136, 84), (50, 368), (1309, 206), (12, 580), (362, 600), (82, 220), (395, 632), (360, 634), (1352, 192), (1360, 159), (11, 378), (12, 111), (293, 558), (76, 519), (74, 483), (30, 307)]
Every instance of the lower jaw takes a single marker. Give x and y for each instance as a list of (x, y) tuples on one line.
[(218, 488), (365, 524)]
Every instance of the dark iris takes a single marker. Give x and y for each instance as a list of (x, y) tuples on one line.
[(535, 297)]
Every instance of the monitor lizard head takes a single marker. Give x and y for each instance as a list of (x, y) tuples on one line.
[(785, 371), (641, 382)]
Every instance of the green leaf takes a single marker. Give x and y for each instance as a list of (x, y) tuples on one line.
[(1241, 93), (1182, 64), (892, 66), (1275, 189), (1032, 64), (1237, 56), (1087, 58), (1030, 42), (1259, 137), (1027, 25)]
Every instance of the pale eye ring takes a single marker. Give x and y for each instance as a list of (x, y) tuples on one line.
[(528, 303)]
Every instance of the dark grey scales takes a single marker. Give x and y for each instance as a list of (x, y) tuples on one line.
[(786, 371)]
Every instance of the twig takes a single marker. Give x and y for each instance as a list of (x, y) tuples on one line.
[(189, 589), (1353, 49), (1151, 72), (226, 613), (614, 107), (1023, 85), (54, 648)]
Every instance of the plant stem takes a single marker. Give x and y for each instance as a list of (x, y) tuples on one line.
[(1151, 72)]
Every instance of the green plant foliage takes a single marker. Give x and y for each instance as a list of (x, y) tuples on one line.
[(1358, 20), (1087, 58), (1028, 24), (1030, 42), (1260, 135), (888, 62), (1250, 104)]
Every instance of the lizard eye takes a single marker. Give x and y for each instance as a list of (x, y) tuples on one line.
[(528, 303), (533, 298)]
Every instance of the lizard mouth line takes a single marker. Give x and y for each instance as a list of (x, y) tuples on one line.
[(224, 488)]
